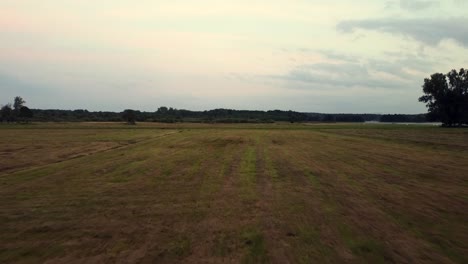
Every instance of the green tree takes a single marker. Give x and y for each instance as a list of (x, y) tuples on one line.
[(6, 113), (18, 103), (25, 113), (446, 97), (162, 110), (129, 116)]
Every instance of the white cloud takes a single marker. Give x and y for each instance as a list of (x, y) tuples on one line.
[(428, 30)]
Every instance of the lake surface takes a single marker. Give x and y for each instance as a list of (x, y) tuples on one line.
[(405, 123)]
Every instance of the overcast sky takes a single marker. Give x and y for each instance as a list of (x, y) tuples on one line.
[(311, 55)]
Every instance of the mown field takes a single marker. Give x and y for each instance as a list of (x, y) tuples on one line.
[(193, 193)]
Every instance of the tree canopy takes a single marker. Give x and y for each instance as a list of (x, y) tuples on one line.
[(446, 97), (17, 112), (171, 115), (18, 102), (25, 113), (129, 116), (6, 113)]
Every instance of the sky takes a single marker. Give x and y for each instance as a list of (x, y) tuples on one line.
[(334, 56)]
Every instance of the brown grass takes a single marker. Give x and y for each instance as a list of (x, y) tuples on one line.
[(299, 194)]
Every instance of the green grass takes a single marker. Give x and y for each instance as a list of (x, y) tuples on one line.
[(369, 249), (255, 244), (252, 193), (248, 172)]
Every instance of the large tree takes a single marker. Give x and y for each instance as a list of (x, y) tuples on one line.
[(18, 103), (446, 97), (25, 113), (6, 113), (129, 116)]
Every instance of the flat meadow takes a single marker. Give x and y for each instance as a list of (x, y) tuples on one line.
[(234, 193)]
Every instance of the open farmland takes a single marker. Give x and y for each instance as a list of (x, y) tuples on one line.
[(194, 193)]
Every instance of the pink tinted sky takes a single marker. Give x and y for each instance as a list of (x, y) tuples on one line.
[(338, 56)]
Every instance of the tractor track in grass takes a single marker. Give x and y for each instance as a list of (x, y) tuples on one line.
[(367, 218), (88, 154)]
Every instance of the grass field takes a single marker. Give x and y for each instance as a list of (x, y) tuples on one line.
[(195, 193)]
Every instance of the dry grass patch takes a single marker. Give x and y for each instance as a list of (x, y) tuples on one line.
[(211, 194)]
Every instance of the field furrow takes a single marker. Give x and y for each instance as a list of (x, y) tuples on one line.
[(233, 195)]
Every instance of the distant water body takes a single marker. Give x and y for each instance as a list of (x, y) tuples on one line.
[(405, 123)]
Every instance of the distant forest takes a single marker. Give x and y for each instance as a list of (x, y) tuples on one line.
[(19, 112), (171, 115), (445, 96)]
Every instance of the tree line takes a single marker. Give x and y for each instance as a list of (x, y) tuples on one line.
[(18, 112), (445, 95)]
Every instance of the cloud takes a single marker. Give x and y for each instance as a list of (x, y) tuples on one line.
[(460, 2), (428, 31), (333, 55), (412, 5), (346, 75), (392, 72), (421, 62), (359, 86), (416, 5)]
